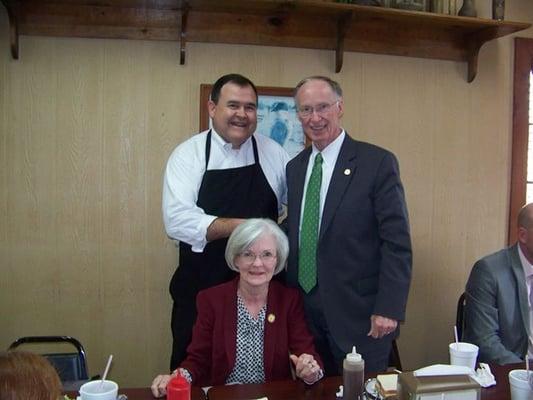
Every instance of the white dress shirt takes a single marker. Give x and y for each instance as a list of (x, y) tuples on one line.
[(329, 157), (183, 219)]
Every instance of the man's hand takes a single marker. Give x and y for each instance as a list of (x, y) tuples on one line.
[(221, 228), (381, 326)]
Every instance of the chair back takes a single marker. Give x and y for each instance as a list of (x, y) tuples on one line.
[(460, 316), (70, 366)]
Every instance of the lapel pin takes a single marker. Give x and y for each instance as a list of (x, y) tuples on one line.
[(271, 318), (347, 171)]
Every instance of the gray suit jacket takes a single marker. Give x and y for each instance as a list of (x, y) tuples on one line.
[(364, 246), (496, 311)]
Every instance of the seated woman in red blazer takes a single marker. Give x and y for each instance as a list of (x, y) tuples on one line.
[(247, 328)]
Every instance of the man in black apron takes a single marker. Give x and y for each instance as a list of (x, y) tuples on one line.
[(231, 195)]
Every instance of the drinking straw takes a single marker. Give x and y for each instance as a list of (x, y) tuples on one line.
[(455, 334), (104, 375), (528, 375)]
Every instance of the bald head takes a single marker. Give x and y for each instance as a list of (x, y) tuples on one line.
[(525, 231), (525, 217)]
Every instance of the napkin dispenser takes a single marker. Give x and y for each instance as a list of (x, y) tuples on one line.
[(441, 387)]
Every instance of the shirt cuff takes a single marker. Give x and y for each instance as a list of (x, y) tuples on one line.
[(199, 245), (183, 372)]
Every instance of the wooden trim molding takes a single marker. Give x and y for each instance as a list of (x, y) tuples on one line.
[(523, 65)]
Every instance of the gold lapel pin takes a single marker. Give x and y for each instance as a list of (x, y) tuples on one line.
[(347, 171), (271, 318)]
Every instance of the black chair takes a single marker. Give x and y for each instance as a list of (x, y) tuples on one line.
[(70, 366), (394, 357), (460, 316)]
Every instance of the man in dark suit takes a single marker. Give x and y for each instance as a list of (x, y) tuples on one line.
[(359, 258), (498, 309)]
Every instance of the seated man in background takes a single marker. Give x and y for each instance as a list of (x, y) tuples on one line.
[(247, 328), (25, 375), (498, 299)]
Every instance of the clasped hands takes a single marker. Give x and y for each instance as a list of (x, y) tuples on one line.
[(306, 368), (381, 326)]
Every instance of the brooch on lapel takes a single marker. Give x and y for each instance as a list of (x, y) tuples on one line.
[(347, 171), (271, 318)]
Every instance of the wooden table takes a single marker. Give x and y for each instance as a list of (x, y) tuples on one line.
[(296, 390), (146, 394), (327, 387)]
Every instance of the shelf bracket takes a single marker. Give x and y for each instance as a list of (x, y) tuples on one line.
[(13, 31), (474, 43), (183, 32), (472, 64), (343, 24)]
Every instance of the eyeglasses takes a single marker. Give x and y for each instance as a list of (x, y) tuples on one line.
[(266, 257), (320, 109)]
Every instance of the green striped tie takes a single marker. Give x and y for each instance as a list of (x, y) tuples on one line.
[(309, 231)]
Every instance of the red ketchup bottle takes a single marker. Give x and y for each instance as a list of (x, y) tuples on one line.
[(179, 388)]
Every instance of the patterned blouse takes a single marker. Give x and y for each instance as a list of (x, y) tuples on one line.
[(249, 366)]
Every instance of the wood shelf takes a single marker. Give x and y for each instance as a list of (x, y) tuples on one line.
[(286, 23)]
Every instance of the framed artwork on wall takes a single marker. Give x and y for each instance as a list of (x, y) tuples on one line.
[(276, 116)]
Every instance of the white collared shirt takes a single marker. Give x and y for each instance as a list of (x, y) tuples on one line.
[(329, 156), (183, 219), (528, 275)]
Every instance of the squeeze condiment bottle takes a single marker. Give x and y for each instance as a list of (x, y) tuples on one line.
[(353, 376), (179, 388)]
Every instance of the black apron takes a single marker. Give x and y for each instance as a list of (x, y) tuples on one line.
[(242, 192)]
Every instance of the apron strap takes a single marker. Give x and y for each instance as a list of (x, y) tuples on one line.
[(207, 148), (256, 153)]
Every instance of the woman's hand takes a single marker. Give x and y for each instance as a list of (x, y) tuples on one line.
[(307, 368), (159, 385)]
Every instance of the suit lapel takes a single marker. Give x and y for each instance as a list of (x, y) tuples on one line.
[(230, 325), (343, 173), (298, 186), (518, 271), (270, 337)]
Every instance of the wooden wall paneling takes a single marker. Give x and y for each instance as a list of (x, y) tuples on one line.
[(169, 100), (123, 278), (31, 196), (414, 155), (79, 131), (448, 199), (489, 149)]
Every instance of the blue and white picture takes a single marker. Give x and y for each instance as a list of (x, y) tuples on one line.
[(276, 118)]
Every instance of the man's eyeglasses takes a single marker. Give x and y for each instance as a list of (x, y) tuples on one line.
[(320, 109), (266, 257)]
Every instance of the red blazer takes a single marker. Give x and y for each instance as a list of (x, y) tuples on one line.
[(212, 352)]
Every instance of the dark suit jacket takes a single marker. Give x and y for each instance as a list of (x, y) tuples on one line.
[(364, 247), (496, 310), (211, 354)]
